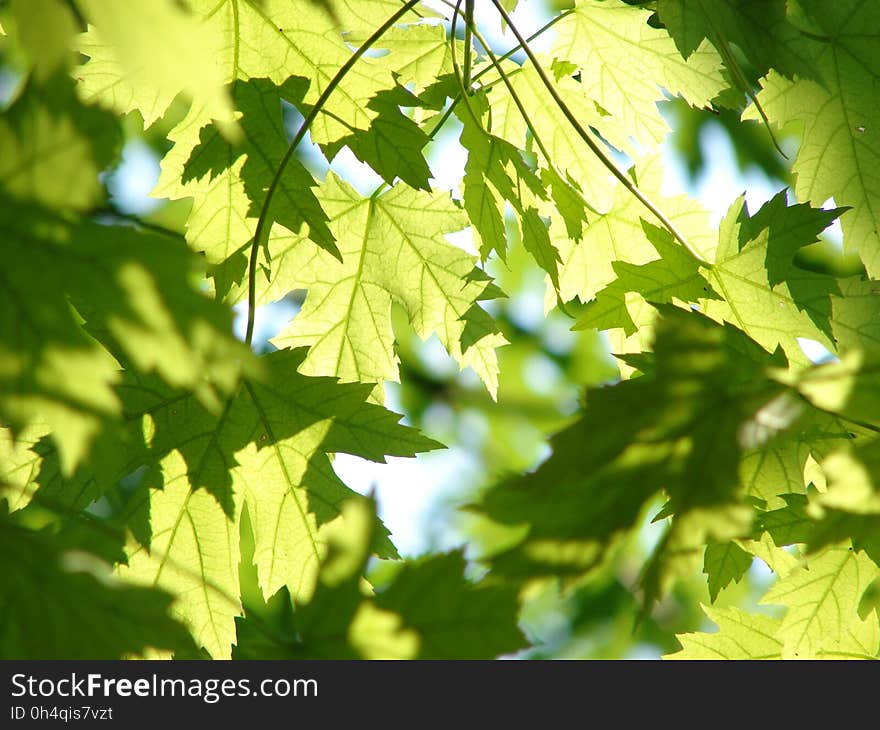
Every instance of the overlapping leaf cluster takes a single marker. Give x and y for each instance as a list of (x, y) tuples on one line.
[(138, 433), (752, 451), (130, 408)]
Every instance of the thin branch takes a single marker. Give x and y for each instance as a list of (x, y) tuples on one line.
[(593, 145), (504, 76), (477, 76), (723, 47), (518, 47), (113, 211), (854, 421), (496, 64), (261, 230)]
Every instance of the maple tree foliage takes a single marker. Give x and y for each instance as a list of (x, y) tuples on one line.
[(176, 486)]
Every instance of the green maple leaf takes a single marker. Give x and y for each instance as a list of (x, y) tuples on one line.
[(822, 598), (762, 291), (838, 157), (219, 223), (496, 167), (568, 203), (344, 619), (626, 64), (759, 28), (393, 144), (753, 282), (50, 588), (267, 449), (263, 146), (190, 550), (778, 559), (744, 635), (139, 303), (723, 563), (682, 434), (393, 251), (54, 148), (587, 265), (484, 209), (46, 30), (275, 40), (346, 424), (128, 70), (790, 524), (675, 275), (740, 635)]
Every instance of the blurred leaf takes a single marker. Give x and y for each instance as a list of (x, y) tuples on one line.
[(138, 301), (54, 148), (46, 29), (50, 592), (344, 620)]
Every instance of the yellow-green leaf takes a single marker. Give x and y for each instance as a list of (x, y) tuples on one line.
[(393, 250)]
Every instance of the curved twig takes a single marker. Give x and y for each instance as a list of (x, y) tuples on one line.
[(477, 76), (262, 221), (593, 145)]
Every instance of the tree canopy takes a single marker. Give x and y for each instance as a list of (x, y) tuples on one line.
[(660, 450)]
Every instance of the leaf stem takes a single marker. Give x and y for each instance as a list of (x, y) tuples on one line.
[(537, 34), (593, 145), (464, 93), (263, 223), (468, 41), (723, 47), (477, 76), (503, 76), (496, 64)]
